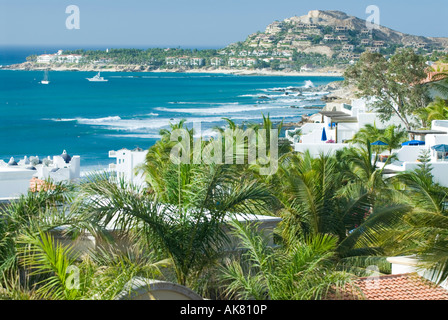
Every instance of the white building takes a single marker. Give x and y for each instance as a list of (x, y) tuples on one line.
[(307, 67), (340, 125), (242, 62), (126, 163), (216, 61), (197, 61), (184, 61), (408, 155), (14, 181), (45, 58), (68, 58), (59, 58), (15, 176)]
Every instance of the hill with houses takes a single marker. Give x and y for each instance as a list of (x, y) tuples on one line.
[(331, 33), (320, 40)]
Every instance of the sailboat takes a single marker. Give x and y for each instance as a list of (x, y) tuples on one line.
[(97, 78), (45, 80)]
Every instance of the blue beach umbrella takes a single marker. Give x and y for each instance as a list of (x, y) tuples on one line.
[(413, 143), (379, 143), (324, 135), (440, 148)]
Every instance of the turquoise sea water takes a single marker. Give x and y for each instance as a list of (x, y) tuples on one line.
[(89, 119)]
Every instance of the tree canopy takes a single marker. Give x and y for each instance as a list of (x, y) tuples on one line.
[(395, 83)]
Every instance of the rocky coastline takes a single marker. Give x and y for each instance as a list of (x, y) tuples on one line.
[(31, 66)]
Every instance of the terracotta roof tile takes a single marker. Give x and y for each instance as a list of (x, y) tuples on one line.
[(37, 185), (408, 286)]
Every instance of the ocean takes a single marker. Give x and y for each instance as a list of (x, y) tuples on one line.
[(91, 118)]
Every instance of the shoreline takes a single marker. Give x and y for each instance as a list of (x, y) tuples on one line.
[(336, 73)]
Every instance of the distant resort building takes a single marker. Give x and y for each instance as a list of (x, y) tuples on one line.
[(184, 61), (365, 42), (30, 172), (341, 28), (379, 44), (307, 67), (242, 62), (373, 49), (59, 58), (348, 47), (216, 62), (365, 32)]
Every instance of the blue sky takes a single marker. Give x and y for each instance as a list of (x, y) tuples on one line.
[(190, 23)]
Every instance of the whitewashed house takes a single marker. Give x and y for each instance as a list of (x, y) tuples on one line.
[(15, 176), (432, 142), (339, 125), (127, 161), (343, 123)]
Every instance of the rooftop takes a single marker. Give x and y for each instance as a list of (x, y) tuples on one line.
[(425, 132), (408, 286), (342, 119), (333, 113)]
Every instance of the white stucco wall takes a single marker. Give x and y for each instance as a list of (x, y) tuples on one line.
[(126, 163), (408, 264), (410, 153), (316, 149), (14, 181), (439, 170), (435, 139)]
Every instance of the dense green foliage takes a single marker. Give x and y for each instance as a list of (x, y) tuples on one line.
[(396, 83)]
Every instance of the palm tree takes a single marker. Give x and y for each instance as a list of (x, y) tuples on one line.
[(440, 82), (425, 227), (415, 225), (344, 195), (52, 271), (311, 199), (394, 137), (35, 265), (368, 132), (189, 231), (158, 158), (45, 210), (302, 271), (437, 110)]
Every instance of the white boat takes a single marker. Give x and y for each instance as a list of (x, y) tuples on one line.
[(45, 80), (97, 78)]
